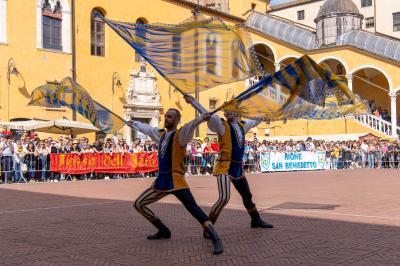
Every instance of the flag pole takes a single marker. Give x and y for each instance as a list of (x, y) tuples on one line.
[(196, 75), (73, 50)]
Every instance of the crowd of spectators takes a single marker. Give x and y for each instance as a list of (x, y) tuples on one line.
[(25, 157)]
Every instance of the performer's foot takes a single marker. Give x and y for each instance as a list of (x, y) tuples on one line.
[(260, 224), (163, 231), (166, 234), (217, 242), (256, 221), (206, 235)]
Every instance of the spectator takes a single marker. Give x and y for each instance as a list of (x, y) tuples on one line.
[(31, 161), (7, 152), (19, 156)]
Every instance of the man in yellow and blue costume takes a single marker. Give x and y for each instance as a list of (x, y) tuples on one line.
[(229, 167), (171, 175)]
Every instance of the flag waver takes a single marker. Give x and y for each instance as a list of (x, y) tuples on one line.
[(303, 89)]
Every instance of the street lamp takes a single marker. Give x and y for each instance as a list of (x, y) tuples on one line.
[(116, 81), (11, 70), (229, 95)]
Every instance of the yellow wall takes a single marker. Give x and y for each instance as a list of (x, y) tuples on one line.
[(95, 73)]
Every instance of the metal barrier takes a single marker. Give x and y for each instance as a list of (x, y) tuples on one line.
[(37, 168)]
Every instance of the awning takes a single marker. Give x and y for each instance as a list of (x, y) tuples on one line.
[(59, 126)]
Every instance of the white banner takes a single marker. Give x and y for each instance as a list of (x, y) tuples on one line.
[(296, 161)]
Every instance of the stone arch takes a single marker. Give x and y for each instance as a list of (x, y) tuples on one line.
[(142, 20), (65, 24), (338, 59), (389, 79), (372, 84), (266, 55), (287, 59)]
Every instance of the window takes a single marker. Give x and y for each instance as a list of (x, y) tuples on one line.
[(213, 104), (300, 15), (51, 19), (53, 25), (396, 21), (366, 3), (97, 44), (141, 33), (369, 22)]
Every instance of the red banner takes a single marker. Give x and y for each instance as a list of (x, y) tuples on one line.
[(71, 163)]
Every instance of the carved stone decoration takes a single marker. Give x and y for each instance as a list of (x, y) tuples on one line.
[(53, 4), (143, 101)]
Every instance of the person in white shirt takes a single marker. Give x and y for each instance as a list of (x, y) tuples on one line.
[(7, 152), (229, 166), (171, 174)]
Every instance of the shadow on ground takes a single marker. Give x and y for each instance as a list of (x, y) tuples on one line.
[(35, 230)]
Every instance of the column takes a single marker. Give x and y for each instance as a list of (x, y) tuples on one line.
[(277, 66), (128, 131), (350, 81), (393, 112), (278, 89)]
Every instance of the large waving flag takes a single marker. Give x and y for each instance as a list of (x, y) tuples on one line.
[(198, 53), (70, 94), (302, 89)]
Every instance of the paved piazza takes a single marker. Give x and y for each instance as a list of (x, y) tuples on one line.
[(321, 218)]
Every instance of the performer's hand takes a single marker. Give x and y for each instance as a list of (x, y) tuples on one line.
[(188, 98), (205, 116), (130, 123)]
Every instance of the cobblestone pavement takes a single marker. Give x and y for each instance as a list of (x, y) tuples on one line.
[(320, 218)]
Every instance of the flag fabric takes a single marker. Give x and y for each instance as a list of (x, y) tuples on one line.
[(70, 94), (197, 54), (302, 90)]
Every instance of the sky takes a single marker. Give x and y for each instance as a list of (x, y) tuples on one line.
[(275, 2)]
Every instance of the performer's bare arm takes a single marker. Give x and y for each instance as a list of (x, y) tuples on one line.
[(214, 123), (152, 132)]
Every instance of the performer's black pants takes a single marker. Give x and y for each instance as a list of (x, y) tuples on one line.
[(241, 185), (183, 195)]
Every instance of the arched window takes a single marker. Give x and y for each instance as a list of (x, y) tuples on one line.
[(97, 44), (141, 33), (52, 26)]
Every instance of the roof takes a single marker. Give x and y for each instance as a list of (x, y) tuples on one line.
[(291, 4), (207, 10), (293, 34), (282, 30), (338, 7), (372, 43)]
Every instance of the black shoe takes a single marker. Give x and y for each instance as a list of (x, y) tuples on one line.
[(166, 234), (206, 235), (217, 242), (260, 224), (163, 231), (257, 222)]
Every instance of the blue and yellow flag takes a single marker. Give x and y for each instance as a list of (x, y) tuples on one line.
[(199, 53), (303, 89), (70, 94)]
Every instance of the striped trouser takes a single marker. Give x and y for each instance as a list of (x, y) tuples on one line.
[(147, 197), (183, 195), (241, 185)]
